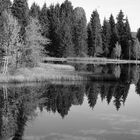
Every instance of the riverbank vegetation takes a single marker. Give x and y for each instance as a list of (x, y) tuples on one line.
[(28, 34)]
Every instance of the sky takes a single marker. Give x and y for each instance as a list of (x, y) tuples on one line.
[(131, 8)]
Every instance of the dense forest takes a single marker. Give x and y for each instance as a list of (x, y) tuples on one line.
[(28, 34)]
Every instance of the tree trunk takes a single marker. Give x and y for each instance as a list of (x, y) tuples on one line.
[(5, 65)]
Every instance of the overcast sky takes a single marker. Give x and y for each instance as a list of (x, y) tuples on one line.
[(131, 8)]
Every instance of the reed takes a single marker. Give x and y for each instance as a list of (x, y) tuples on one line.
[(41, 74)]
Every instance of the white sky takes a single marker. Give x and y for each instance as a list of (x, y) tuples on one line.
[(131, 8)]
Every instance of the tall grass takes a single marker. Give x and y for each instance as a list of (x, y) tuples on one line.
[(40, 74)]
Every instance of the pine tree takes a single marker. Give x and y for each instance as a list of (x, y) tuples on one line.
[(127, 40), (80, 32), (66, 44), (66, 16), (90, 40), (106, 35), (114, 35), (96, 48), (34, 10), (20, 10), (43, 19), (138, 34), (54, 27), (120, 26), (124, 34)]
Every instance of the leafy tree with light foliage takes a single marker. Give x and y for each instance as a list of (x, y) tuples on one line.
[(34, 49), (12, 45), (116, 53), (135, 50)]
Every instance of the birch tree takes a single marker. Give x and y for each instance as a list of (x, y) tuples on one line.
[(11, 41)]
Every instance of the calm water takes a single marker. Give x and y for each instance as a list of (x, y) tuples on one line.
[(105, 109)]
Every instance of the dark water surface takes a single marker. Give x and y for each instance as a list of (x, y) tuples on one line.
[(105, 109)]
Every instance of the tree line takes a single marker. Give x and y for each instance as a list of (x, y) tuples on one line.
[(61, 30)]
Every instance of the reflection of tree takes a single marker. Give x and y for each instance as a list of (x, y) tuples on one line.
[(93, 89), (17, 106), (60, 98), (138, 87), (120, 94), (107, 91), (135, 74), (18, 103)]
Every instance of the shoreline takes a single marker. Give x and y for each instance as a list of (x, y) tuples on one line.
[(90, 60)]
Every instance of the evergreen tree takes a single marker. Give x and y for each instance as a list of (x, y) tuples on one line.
[(138, 34), (43, 19), (20, 10), (89, 40), (96, 48), (106, 35), (66, 44), (34, 10), (66, 30), (127, 40), (67, 11), (4, 5), (80, 32), (124, 33), (114, 35), (120, 25), (54, 34)]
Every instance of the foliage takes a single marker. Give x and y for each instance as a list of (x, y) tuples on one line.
[(138, 34), (124, 34), (34, 10), (135, 50), (66, 29), (80, 32), (4, 5), (114, 34), (106, 37), (34, 43), (11, 41), (96, 44), (116, 53), (54, 27), (20, 10), (43, 19)]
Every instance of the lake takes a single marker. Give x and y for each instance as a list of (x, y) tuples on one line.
[(105, 106)]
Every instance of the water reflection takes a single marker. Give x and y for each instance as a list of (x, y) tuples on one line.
[(18, 103)]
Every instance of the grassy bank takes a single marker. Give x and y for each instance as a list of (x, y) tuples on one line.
[(44, 72)]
